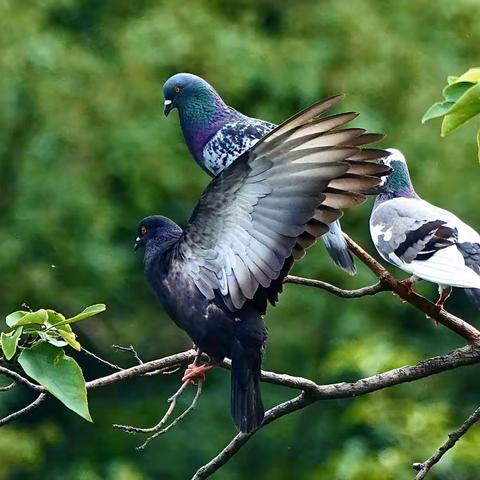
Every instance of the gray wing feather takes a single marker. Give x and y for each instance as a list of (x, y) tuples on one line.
[(269, 205)]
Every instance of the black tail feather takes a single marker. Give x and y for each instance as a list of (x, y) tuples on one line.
[(246, 399), (474, 295)]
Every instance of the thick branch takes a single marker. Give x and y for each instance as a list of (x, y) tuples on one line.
[(19, 379), (339, 292), (424, 468), (313, 392), (456, 324)]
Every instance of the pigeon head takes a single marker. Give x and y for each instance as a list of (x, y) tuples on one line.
[(397, 183), (192, 96), (157, 232), (201, 110)]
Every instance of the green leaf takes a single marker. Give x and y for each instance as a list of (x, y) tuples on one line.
[(478, 144), (467, 106), (59, 374), (451, 79), (437, 110), (9, 342), (454, 91), (16, 319), (55, 320), (472, 75), (88, 312), (52, 340)]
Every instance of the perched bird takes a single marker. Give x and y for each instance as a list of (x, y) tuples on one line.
[(256, 217), (217, 134), (422, 239)]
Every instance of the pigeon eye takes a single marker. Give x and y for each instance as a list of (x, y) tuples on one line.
[(143, 231), (178, 89)]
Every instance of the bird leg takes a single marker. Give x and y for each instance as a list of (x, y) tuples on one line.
[(196, 372), (408, 283), (444, 294)]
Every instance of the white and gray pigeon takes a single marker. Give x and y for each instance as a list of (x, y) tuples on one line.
[(217, 134), (430, 243)]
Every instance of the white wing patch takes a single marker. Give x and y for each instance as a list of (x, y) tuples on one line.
[(446, 267)]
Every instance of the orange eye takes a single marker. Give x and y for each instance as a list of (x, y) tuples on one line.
[(143, 231), (178, 89)]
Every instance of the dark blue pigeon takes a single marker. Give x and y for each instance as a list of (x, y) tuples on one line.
[(256, 217), (422, 239), (217, 134)]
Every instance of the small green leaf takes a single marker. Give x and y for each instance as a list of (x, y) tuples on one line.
[(52, 340), (9, 342), (437, 110), (472, 75), (451, 79), (55, 320), (478, 144), (59, 374), (454, 91), (16, 319), (467, 106), (88, 312)]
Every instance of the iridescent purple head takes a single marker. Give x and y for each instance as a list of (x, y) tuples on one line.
[(201, 110)]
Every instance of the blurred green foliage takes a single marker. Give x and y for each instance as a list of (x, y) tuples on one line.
[(85, 153)]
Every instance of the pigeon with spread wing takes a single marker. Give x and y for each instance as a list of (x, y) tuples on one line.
[(255, 218), (216, 134)]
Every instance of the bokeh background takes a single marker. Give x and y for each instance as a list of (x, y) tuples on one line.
[(85, 152)]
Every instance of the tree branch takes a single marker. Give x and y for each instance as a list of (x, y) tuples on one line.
[(313, 392), (19, 379), (456, 324), (14, 416), (424, 468), (339, 292)]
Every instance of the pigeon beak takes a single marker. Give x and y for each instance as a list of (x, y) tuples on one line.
[(138, 243), (167, 107)]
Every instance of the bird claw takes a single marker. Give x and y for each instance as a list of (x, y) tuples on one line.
[(196, 372), (407, 283)]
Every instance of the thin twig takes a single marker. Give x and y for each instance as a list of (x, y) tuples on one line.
[(101, 360), (23, 411), (172, 402), (456, 324), (424, 468), (159, 429), (174, 422), (130, 349), (7, 387), (339, 292)]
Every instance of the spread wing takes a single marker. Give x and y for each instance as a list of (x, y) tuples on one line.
[(261, 212)]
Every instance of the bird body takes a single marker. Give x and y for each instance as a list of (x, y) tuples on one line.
[(256, 217), (217, 134), (431, 243)]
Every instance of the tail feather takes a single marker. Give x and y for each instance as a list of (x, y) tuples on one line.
[(337, 248), (474, 296), (246, 399)]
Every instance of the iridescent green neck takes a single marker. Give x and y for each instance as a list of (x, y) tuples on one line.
[(202, 113), (398, 183)]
